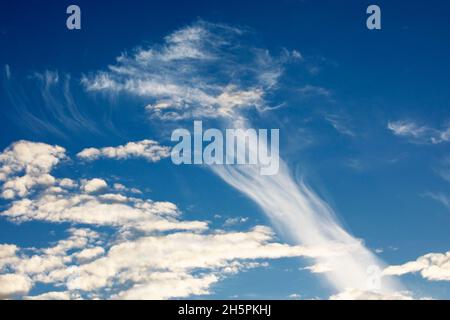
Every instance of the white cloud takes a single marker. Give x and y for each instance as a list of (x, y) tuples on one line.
[(135, 213), (169, 285), (12, 285), (340, 124), (303, 217), (147, 149), (67, 183), (234, 221), (418, 133), (89, 254), (53, 295), (25, 164), (7, 71), (144, 258), (432, 266), (357, 294), (319, 268), (7, 255), (175, 78), (309, 90), (174, 257), (121, 188), (439, 197), (185, 87), (93, 185), (173, 265)]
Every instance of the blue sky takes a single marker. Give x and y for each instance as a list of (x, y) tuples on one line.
[(364, 130)]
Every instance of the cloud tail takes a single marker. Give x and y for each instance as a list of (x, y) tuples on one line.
[(299, 214)]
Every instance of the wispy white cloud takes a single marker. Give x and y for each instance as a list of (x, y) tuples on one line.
[(47, 105), (439, 197), (7, 71), (175, 77), (340, 123), (310, 90), (442, 169), (419, 133), (302, 216)]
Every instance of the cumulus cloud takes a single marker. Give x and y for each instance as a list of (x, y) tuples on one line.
[(432, 266), (25, 164), (357, 294), (319, 268), (53, 295), (162, 266), (419, 133), (151, 252), (175, 256), (125, 212), (13, 285), (89, 254), (59, 200), (147, 149), (93, 185)]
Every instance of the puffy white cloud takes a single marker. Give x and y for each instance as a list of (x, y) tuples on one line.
[(172, 260), (53, 295), (147, 149), (319, 268), (67, 183), (7, 255), (93, 185), (160, 266), (12, 285), (432, 266), (89, 254), (25, 164), (169, 285), (121, 187), (357, 294), (109, 210)]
